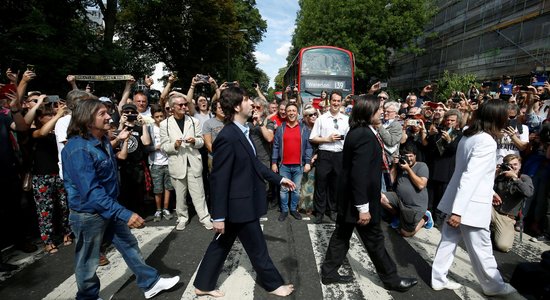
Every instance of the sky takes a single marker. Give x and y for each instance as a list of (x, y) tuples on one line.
[(280, 16), (272, 51)]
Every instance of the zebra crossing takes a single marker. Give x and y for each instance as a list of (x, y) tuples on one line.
[(162, 245)]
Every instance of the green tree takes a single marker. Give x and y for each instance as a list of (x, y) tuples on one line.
[(372, 29), (453, 82), (193, 37)]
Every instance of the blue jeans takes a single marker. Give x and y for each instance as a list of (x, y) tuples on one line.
[(294, 173), (90, 230)]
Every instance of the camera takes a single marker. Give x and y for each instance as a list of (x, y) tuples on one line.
[(505, 167), (413, 122), (131, 117), (403, 159), (52, 98), (255, 85), (30, 68)]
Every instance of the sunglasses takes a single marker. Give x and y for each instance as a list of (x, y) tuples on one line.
[(312, 115), (167, 108), (181, 104), (511, 117), (256, 106), (335, 124), (382, 98)]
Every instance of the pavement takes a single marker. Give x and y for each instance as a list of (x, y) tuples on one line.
[(296, 247)]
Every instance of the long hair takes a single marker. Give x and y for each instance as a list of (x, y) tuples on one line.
[(83, 116), (230, 98), (363, 110), (490, 117)]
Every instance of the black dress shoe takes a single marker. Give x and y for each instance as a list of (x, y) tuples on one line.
[(282, 216), (404, 285), (339, 279), (318, 219), (296, 215)]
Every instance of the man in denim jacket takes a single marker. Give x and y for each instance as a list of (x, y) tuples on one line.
[(90, 178)]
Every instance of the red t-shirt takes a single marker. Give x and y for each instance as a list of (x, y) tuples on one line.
[(291, 145), (277, 120)]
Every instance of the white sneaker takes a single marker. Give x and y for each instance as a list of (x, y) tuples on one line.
[(208, 225), (166, 214), (158, 216), (161, 285), (508, 289), (181, 225), (451, 285)]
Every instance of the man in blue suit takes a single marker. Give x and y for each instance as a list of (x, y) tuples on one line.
[(238, 200)]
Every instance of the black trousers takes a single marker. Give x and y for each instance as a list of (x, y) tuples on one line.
[(372, 238), (328, 169), (251, 236)]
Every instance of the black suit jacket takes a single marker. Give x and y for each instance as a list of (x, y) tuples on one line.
[(360, 182), (237, 187)]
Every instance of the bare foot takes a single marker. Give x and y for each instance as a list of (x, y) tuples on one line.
[(214, 293), (283, 290)]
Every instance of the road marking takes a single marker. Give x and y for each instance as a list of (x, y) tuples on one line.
[(367, 284), (114, 275), (237, 278)]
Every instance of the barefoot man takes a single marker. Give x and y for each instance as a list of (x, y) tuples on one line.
[(238, 200)]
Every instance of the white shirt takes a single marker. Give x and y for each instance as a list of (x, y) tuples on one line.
[(326, 125), (60, 129), (158, 157), (505, 145)]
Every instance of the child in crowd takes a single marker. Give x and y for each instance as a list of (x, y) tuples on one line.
[(158, 162)]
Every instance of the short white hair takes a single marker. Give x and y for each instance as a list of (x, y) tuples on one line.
[(396, 105)]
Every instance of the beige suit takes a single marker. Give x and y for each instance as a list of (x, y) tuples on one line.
[(469, 195), (185, 166)]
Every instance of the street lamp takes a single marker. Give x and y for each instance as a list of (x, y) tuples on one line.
[(229, 31)]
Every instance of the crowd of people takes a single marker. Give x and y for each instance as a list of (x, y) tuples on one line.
[(164, 150)]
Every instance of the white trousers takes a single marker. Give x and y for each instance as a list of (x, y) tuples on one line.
[(196, 189), (479, 247)]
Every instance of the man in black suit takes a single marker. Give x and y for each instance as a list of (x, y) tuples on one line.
[(359, 200), (238, 200)]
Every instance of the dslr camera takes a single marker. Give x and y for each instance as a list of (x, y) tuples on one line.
[(505, 167), (403, 159)]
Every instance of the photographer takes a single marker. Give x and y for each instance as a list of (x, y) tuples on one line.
[(511, 190), (410, 201), (442, 144), (391, 130), (516, 135), (132, 169), (414, 132)]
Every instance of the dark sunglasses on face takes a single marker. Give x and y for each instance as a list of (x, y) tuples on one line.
[(312, 115), (167, 108), (181, 104)]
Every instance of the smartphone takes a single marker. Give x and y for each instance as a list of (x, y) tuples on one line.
[(30, 68), (383, 85), (52, 98), (15, 65)]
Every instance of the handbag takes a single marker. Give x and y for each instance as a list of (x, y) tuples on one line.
[(27, 182)]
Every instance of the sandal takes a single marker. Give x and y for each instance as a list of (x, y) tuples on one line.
[(50, 249), (67, 240)]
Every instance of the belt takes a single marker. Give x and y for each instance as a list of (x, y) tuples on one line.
[(509, 216)]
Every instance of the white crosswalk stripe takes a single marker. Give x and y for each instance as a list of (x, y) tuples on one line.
[(114, 275), (367, 284), (237, 279)]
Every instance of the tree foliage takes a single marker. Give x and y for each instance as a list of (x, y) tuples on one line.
[(373, 30), (451, 82), (194, 36)]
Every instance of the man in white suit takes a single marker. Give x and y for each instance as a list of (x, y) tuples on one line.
[(180, 138), (468, 202)]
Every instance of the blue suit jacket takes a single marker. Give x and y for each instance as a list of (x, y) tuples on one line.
[(237, 187)]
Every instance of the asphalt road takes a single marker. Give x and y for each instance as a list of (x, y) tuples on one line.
[(296, 247)]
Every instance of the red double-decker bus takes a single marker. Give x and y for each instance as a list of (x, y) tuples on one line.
[(319, 68)]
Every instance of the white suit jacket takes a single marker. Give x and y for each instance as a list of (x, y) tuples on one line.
[(186, 159), (470, 191)]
